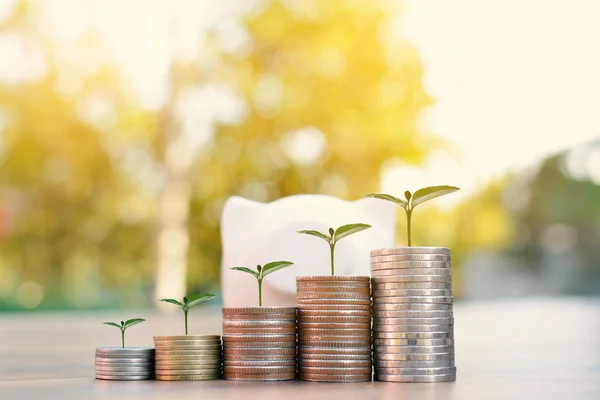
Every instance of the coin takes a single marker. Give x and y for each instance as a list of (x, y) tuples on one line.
[(306, 332), (413, 357), (417, 267), (258, 369), (417, 371), (288, 349), (127, 361), (260, 376), (410, 257), (335, 307), (412, 278), (194, 377), (332, 278), (306, 356), (124, 365), (414, 299), (307, 376), (413, 314), (415, 378), (133, 372), (413, 342), (337, 371), (413, 349), (302, 327), (400, 272), (188, 371), (335, 363), (413, 335), (109, 377), (305, 351), (264, 311), (411, 292), (260, 363), (187, 356), (314, 289), (411, 285), (304, 314), (334, 301), (259, 331), (190, 363), (413, 321), (339, 343), (191, 338), (128, 352), (413, 364), (165, 347), (328, 296), (412, 328), (279, 318), (266, 345), (254, 324), (412, 307), (412, 250)]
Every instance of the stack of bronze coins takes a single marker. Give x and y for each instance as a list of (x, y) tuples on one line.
[(334, 328), (259, 343), (413, 324), (188, 358), (124, 364)]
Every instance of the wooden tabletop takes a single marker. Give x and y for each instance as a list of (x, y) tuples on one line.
[(521, 349)]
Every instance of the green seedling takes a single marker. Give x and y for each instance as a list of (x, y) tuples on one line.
[(189, 302), (261, 272), (335, 236), (413, 200), (124, 325)]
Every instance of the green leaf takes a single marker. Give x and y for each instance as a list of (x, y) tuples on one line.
[(172, 301), (199, 298), (401, 202), (275, 266), (317, 234), (429, 193), (113, 324), (132, 322), (348, 230), (246, 270)]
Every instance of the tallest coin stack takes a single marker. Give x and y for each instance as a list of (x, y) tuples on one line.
[(413, 324)]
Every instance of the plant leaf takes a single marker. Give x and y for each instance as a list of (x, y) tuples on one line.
[(113, 324), (132, 322), (429, 193), (246, 270), (275, 266), (199, 298), (401, 202), (348, 230), (172, 301), (317, 234)]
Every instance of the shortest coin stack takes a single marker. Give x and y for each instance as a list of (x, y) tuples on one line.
[(259, 343), (188, 358), (124, 364)]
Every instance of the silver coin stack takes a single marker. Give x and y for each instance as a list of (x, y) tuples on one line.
[(188, 358), (259, 343), (413, 324), (124, 364), (334, 328)]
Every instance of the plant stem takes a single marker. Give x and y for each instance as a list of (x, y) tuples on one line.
[(185, 313), (260, 292), (123, 338), (332, 248), (408, 221)]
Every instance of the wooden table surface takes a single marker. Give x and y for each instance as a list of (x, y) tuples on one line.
[(517, 349)]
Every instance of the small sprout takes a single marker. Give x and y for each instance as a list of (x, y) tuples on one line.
[(124, 325), (335, 236), (261, 272), (189, 303), (413, 200)]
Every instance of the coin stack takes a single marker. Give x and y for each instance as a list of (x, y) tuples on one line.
[(124, 364), (413, 324), (259, 343), (334, 328), (188, 358)]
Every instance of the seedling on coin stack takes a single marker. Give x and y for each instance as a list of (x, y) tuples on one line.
[(334, 320), (334, 236), (413, 323), (123, 327), (259, 343), (189, 357)]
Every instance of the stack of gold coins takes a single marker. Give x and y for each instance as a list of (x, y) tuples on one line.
[(188, 358), (124, 364), (259, 343), (334, 328), (413, 323)]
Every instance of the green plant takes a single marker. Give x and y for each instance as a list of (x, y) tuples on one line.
[(335, 236), (189, 302), (261, 272), (124, 325), (413, 200)]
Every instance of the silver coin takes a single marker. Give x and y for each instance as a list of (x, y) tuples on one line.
[(412, 250), (415, 378), (410, 257), (413, 328), (335, 363), (400, 272), (100, 364), (417, 371), (413, 335), (413, 364), (412, 278), (128, 352), (339, 343), (188, 338), (413, 321), (312, 377), (109, 377), (411, 292), (124, 370), (413, 357), (258, 310), (413, 342), (413, 314), (413, 349), (115, 360), (412, 307), (411, 285), (304, 356), (417, 267), (414, 299)]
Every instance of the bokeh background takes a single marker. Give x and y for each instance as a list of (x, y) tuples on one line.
[(125, 125)]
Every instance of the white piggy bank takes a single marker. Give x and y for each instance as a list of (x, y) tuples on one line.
[(255, 233)]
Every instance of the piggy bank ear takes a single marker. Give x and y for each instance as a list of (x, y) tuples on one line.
[(378, 213), (238, 214)]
